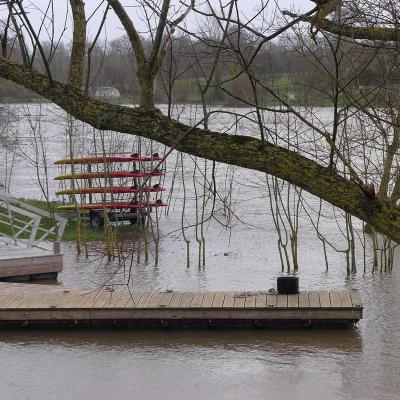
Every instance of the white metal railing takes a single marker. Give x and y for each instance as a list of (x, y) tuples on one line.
[(22, 221)]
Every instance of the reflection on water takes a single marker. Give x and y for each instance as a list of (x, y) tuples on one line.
[(178, 364), (276, 341)]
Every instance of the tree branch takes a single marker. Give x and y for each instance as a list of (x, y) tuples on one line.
[(131, 31), (78, 43), (89, 53), (158, 38), (20, 36), (342, 27), (378, 33)]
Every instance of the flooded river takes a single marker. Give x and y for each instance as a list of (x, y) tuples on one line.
[(359, 363)]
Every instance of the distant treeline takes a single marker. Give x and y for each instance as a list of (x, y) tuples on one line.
[(296, 71)]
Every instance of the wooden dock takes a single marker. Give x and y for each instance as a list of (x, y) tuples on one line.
[(30, 304), (23, 264)]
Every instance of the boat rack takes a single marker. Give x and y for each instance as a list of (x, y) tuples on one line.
[(119, 187)]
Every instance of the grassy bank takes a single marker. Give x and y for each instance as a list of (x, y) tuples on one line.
[(87, 232)]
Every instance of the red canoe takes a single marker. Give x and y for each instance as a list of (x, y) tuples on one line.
[(109, 174), (112, 189), (112, 205), (108, 159)]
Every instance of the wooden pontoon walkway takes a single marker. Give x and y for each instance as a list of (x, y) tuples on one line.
[(27, 304), (20, 264)]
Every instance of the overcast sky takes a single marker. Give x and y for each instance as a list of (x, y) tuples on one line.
[(113, 28)]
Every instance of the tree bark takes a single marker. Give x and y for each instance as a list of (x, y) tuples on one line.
[(242, 151), (146, 90), (78, 43)]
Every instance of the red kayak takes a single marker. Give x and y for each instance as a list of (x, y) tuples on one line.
[(113, 205), (109, 174), (109, 159), (112, 189)]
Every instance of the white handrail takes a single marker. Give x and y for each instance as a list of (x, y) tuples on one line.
[(9, 206)]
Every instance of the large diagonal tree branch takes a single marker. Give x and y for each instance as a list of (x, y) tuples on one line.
[(237, 150)]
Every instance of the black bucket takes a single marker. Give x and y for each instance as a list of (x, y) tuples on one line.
[(288, 285)]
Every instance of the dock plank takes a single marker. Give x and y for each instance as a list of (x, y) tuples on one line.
[(282, 301), (134, 298), (87, 299), (218, 300), (39, 301), (18, 296), (207, 300), (21, 299), (240, 299), (144, 299), (4, 298), (80, 299), (154, 300), (165, 299), (186, 300), (115, 300), (122, 300), (272, 300), (336, 302), (229, 300), (345, 298), (66, 299), (313, 298), (324, 299), (31, 301), (261, 300), (103, 298), (197, 300), (175, 300), (293, 301), (250, 301), (304, 302)]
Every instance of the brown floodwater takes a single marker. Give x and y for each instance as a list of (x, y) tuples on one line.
[(357, 363)]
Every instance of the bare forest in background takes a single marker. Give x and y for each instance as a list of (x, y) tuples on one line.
[(295, 67)]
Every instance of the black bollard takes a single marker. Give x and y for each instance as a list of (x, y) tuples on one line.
[(288, 285)]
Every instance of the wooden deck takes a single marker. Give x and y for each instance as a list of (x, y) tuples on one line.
[(19, 264), (26, 304)]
